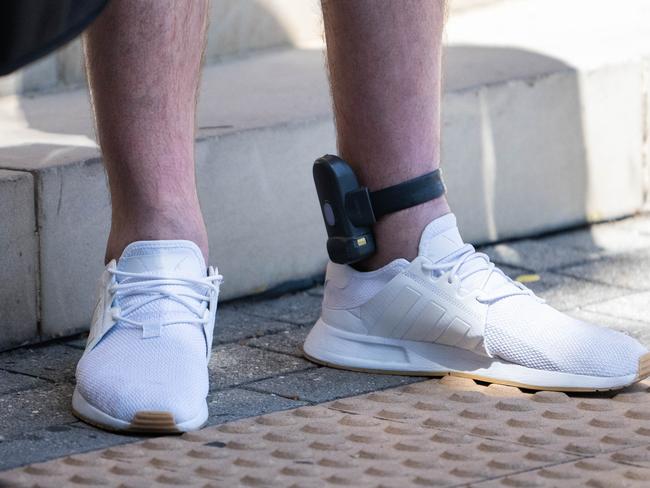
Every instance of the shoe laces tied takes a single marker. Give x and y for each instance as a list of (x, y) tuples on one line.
[(454, 268), (158, 287)]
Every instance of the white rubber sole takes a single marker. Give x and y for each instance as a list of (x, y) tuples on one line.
[(151, 422), (332, 346)]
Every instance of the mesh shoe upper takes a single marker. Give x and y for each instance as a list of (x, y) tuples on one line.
[(524, 331), (125, 373)]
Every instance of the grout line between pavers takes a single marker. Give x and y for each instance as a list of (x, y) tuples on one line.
[(516, 473), (288, 373), (255, 346), (49, 380), (292, 398), (318, 402), (266, 317)]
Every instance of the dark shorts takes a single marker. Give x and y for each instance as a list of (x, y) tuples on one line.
[(30, 29)]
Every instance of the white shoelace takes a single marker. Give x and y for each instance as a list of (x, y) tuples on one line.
[(466, 254), (157, 288)]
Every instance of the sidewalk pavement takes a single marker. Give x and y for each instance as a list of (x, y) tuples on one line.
[(599, 274)]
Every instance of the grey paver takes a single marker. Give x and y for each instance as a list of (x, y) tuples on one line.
[(627, 270), (536, 255), (233, 364), (300, 308), (565, 292), (54, 362), (316, 291), (12, 382), (55, 441), (605, 238), (237, 403), (78, 341), (639, 223), (29, 410), (323, 384), (233, 324), (286, 342), (634, 306), (637, 329)]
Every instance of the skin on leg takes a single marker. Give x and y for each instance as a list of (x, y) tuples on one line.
[(143, 60), (384, 59)]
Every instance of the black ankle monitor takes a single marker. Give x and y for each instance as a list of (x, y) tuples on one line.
[(350, 210)]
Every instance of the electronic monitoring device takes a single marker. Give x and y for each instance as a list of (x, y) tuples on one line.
[(350, 210)]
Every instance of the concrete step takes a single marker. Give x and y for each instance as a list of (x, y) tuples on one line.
[(544, 126), (236, 28)]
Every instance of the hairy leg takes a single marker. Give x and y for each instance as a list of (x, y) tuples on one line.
[(384, 63), (143, 61)]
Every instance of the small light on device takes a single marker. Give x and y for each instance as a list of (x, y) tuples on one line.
[(361, 241)]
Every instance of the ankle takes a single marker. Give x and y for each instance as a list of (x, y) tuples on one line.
[(158, 226), (398, 235)]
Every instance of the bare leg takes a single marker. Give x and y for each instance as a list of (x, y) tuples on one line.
[(143, 61), (384, 62)]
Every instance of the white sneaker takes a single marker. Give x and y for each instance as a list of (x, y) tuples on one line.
[(450, 311), (145, 367)]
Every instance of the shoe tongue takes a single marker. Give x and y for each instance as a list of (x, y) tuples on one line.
[(440, 239), (441, 242), (166, 258)]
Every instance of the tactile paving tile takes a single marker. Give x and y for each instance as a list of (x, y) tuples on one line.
[(586, 424), (447, 432), (595, 472)]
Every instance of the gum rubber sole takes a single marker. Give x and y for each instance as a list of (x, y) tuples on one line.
[(135, 427), (143, 422), (641, 376), (155, 422), (326, 345)]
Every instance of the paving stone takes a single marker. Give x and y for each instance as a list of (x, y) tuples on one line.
[(627, 270), (316, 291), (565, 292), (12, 382), (639, 223), (536, 255), (237, 403), (633, 306), (233, 364), (78, 341), (324, 384), (300, 308), (233, 324), (603, 239), (56, 441), (286, 342), (26, 411), (637, 329), (52, 361)]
